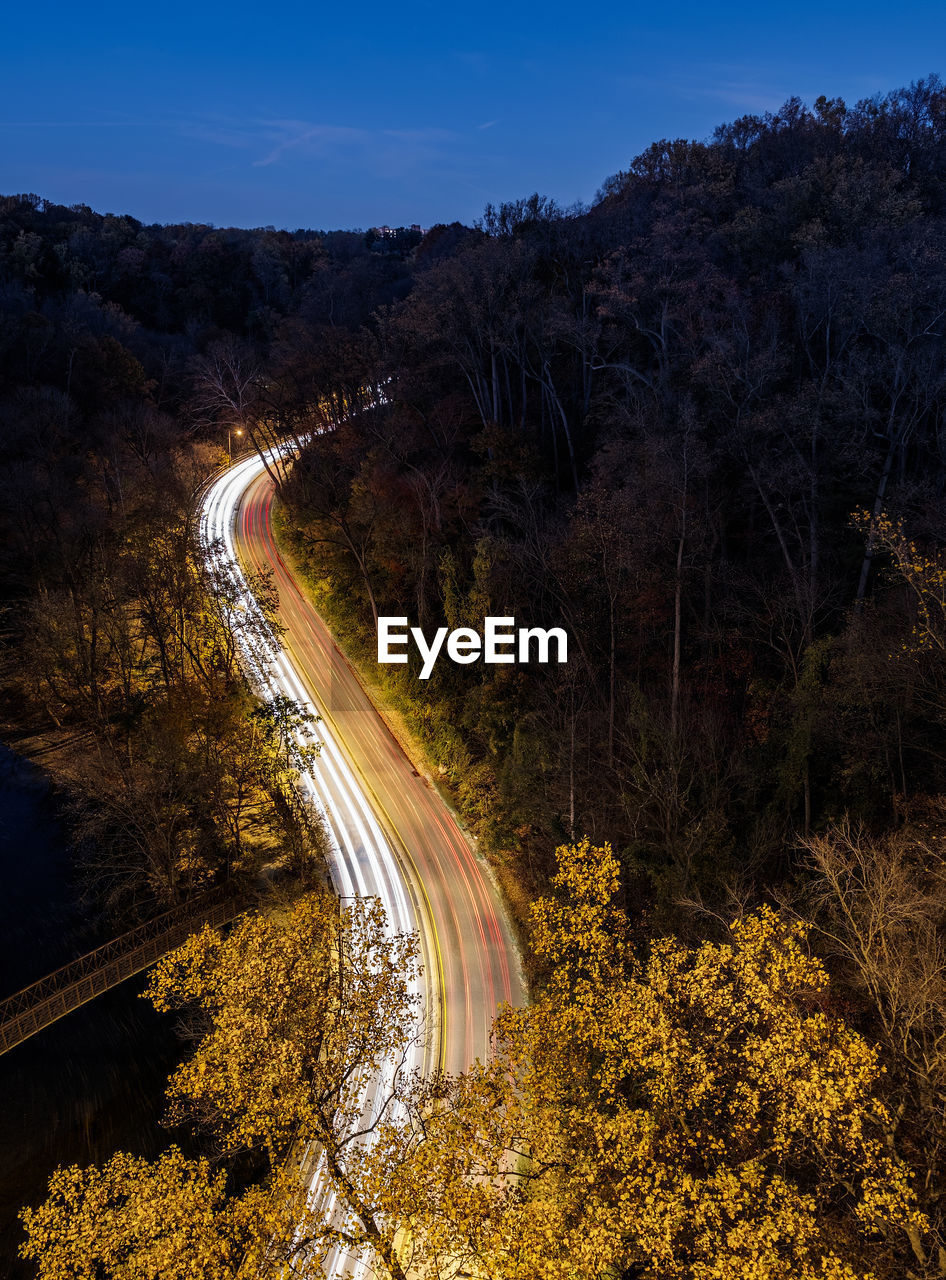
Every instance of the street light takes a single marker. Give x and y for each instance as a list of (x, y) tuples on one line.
[(237, 432)]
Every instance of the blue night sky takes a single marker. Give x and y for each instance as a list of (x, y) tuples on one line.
[(350, 115)]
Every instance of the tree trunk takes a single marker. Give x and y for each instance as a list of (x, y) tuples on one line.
[(677, 612), (875, 514), (611, 679)]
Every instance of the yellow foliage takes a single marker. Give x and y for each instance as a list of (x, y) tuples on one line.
[(296, 1008), (695, 1114), (134, 1219), (924, 574), (699, 1116), (298, 1013)]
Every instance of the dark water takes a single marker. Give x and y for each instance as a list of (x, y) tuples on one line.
[(93, 1082)]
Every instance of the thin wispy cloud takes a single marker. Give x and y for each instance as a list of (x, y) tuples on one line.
[(489, 124), (740, 95), (420, 135), (221, 132), (278, 140), (718, 84), (384, 151), (312, 137)]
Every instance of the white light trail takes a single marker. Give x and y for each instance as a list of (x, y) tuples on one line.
[(363, 861)]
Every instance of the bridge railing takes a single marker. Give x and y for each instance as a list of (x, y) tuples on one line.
[(52, 997)]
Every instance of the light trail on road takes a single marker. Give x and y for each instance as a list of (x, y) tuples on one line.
[(391, 834)]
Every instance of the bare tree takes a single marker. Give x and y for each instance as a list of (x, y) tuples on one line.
[(880, 905), (228, 390)]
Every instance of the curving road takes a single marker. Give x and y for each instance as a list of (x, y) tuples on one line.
[(393, 834)]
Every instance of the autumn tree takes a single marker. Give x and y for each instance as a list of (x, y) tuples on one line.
[(695, 1113), (921, 567), (135, 1218), (307, 1021)]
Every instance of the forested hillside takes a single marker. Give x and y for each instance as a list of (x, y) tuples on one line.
[(120, 651), (665, 423)]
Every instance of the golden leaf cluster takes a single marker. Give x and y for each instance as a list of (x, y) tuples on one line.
[(693, 1113), (924, 573), (297, 1013), (696, 1115)]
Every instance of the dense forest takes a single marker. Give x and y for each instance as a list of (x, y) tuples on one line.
[(698, 424), (669, 423)]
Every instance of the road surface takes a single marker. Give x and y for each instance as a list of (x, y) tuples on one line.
[(393, 834)]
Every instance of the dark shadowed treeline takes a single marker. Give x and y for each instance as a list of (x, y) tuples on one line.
[(121, 648), (653, 422)]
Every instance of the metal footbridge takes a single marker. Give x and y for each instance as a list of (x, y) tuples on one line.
[(44, 1002)]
